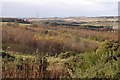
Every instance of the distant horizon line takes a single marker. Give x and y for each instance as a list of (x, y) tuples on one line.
[(61, 17)]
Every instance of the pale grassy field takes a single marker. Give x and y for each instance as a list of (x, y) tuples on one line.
[(21, 24)]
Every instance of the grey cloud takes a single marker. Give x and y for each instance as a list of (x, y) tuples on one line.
[(58, 9)]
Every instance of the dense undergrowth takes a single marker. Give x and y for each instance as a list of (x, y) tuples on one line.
[(102, 63), (59, 52)]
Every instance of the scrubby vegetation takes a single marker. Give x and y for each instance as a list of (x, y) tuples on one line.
[(104, 63), (39, 51)]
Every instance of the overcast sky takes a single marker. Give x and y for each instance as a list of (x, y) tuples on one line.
[(58, 8)]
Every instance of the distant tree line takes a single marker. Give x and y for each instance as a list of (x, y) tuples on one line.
[(62, 23), (15, 20), (98, 28)]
